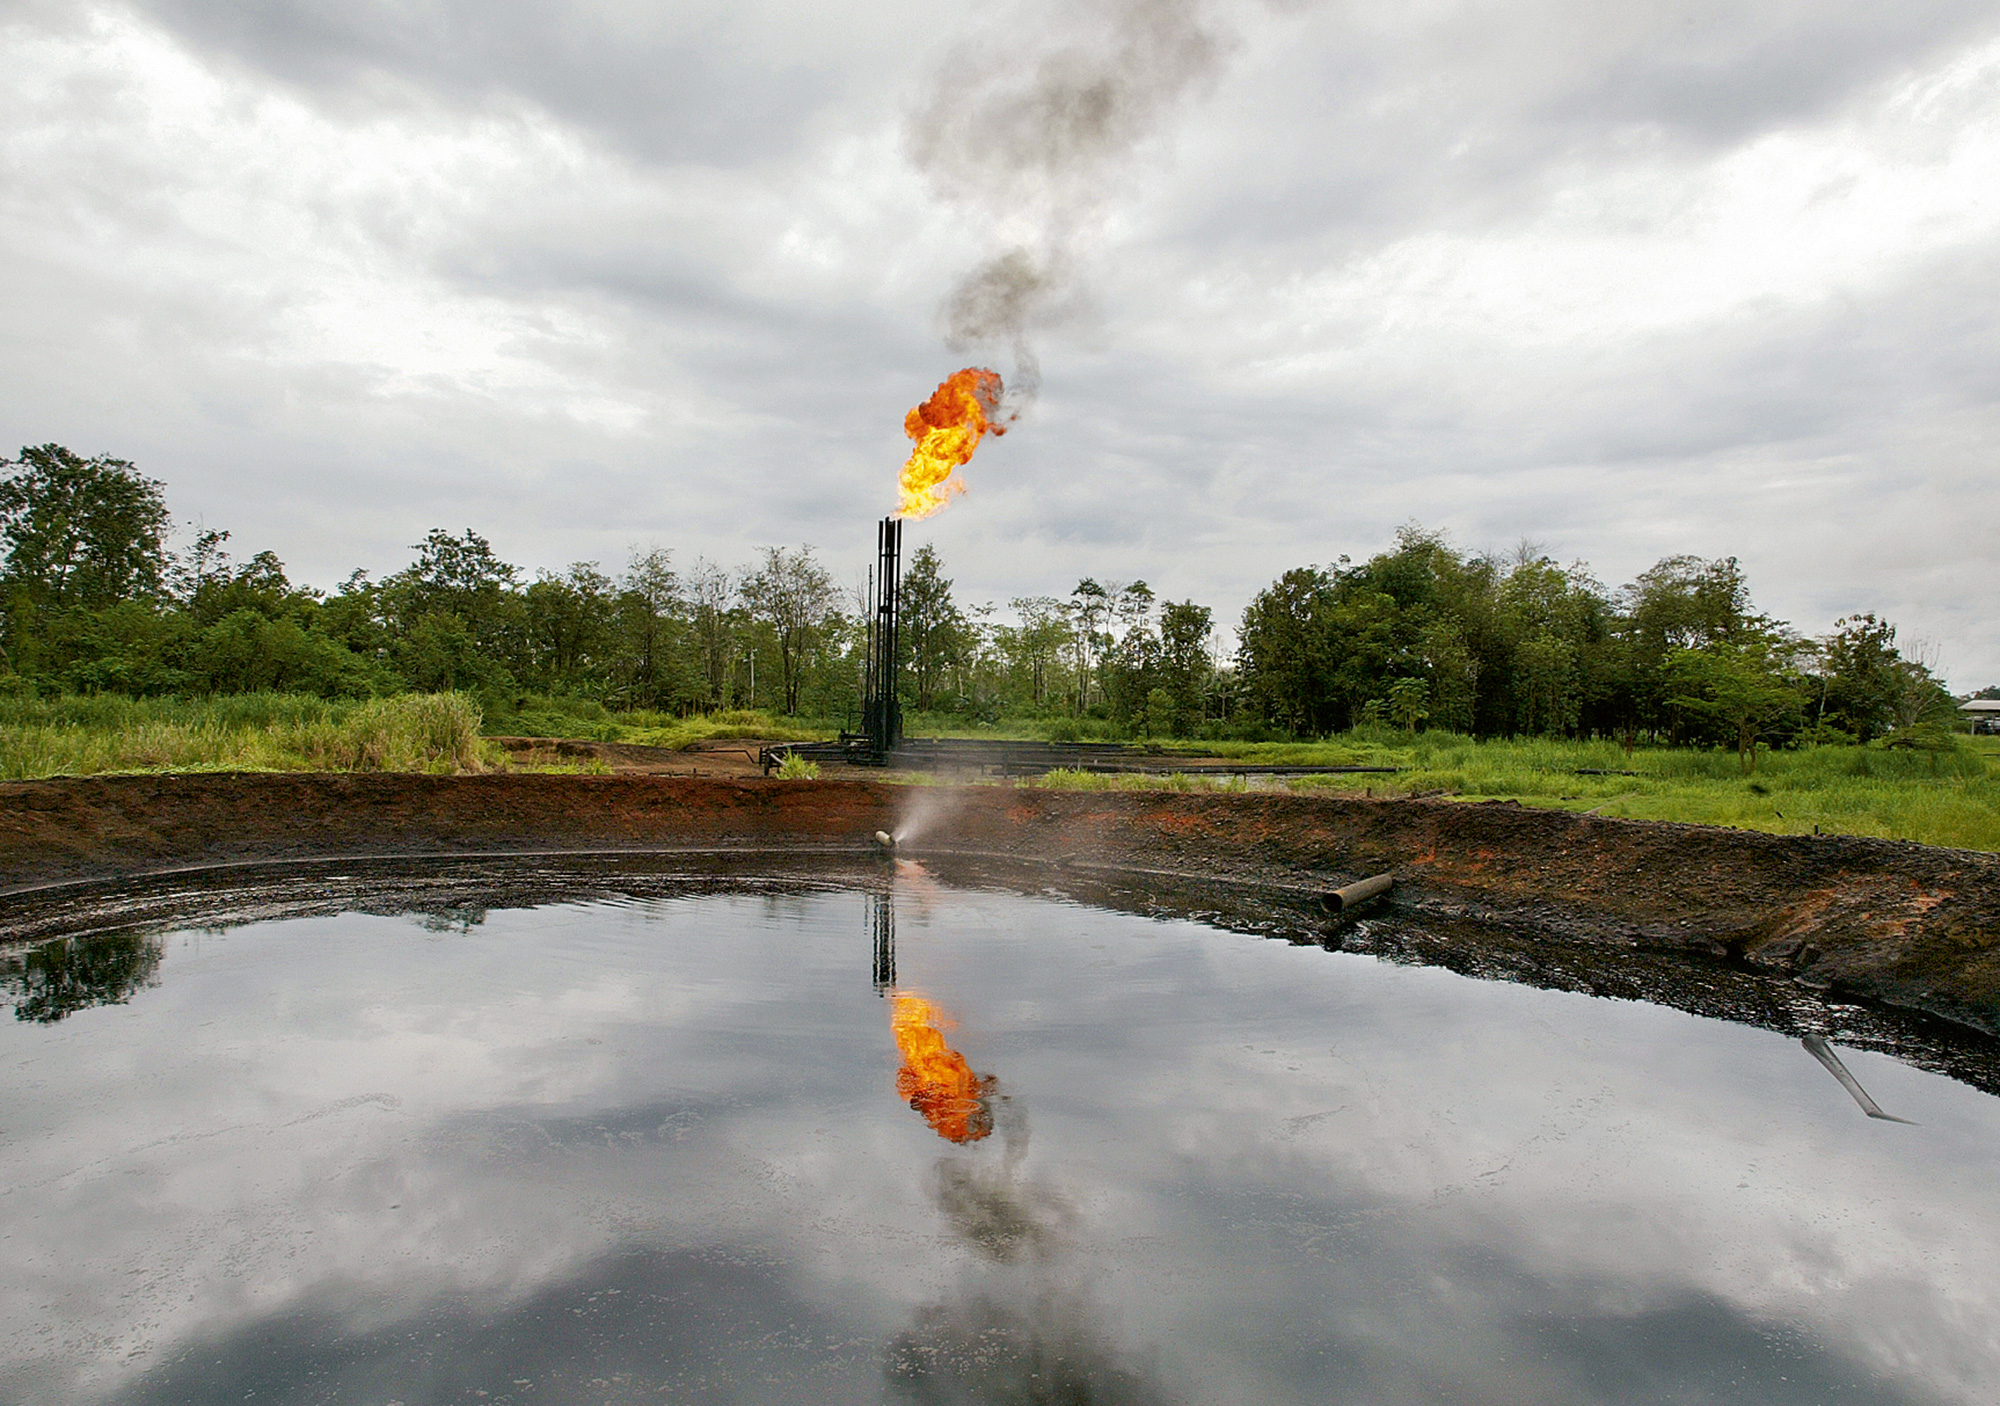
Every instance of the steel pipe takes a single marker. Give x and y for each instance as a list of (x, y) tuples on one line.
[(1352, 896)]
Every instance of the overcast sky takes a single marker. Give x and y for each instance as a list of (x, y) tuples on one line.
[(1626, 280)]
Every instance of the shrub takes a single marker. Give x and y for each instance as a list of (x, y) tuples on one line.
[(241, 732), (797, 768), (434, 732)]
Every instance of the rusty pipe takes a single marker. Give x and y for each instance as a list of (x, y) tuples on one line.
[(1346, 899)]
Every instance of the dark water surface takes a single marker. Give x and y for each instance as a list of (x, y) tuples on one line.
[(655, 1150)]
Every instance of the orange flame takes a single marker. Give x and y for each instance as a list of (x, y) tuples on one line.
[(947, 428), (935, 1077)]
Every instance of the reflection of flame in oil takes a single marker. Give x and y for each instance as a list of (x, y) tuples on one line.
[(947, 429), (935, 1078)]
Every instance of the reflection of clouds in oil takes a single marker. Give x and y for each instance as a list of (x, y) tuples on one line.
[(1005, 1215), (1006, 1218), (1656, 1171), (1019, 1326), (983, 1348), (1258, 1172), (340, 1101), (635, 1325)]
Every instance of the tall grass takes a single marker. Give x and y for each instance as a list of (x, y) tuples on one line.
[(1947, 797), (1068, 779), (669, 730), (424, 732), (1942, 797)]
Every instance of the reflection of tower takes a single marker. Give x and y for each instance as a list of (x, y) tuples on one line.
[(882, 921), (935, 1080)]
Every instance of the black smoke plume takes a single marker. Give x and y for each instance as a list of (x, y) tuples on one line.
[(1041, 137)]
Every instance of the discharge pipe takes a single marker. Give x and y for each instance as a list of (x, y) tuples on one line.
[(1347, 899), (1819, 1049)]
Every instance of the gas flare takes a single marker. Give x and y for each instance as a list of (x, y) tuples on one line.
[(935, 1077), (947, 429)]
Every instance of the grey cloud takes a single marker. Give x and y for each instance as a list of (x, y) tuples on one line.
[(1639, 451), (1716, 73), (1475, 119), (673, 83), (763, 403)]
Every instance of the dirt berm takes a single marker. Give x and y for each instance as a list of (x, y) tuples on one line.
[(1909, 926)]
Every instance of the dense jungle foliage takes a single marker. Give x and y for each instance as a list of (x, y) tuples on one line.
[(94, 602)]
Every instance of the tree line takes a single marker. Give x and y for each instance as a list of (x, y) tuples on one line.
[(95, 601), (92, 599), (1426, 634)]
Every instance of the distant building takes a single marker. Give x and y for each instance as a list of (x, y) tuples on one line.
[(1984, 714)]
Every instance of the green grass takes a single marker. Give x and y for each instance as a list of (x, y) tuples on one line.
[(101, 734), (1940, 798), (436, 732), (1063, 779), (668, 730)]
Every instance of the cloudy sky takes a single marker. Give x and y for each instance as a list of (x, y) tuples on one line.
[(1624, 280)]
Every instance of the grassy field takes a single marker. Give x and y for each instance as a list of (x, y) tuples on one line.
[(288, 732), (665, 730), (247, 732), (1939, 798), (576, 718), (1943, 798)]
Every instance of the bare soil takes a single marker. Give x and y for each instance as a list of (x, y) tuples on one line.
[(1907, 926)]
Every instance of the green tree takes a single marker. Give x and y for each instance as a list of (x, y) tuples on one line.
[(1090, 606), (934, 630), (1184, 668), (454, 618), (1283, 650), (713, 625), (129, 647), (247, 651), (1406, 701), (1129, 664), (1554, 621), (1680, 603), (650, 623), (1860, 678), (792, 594), (569, 622), (1034, 649), (1453, 671), (1924, 708), (81, 531), (1743, 688)]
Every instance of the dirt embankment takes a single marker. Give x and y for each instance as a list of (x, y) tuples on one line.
[(1907, 925)]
